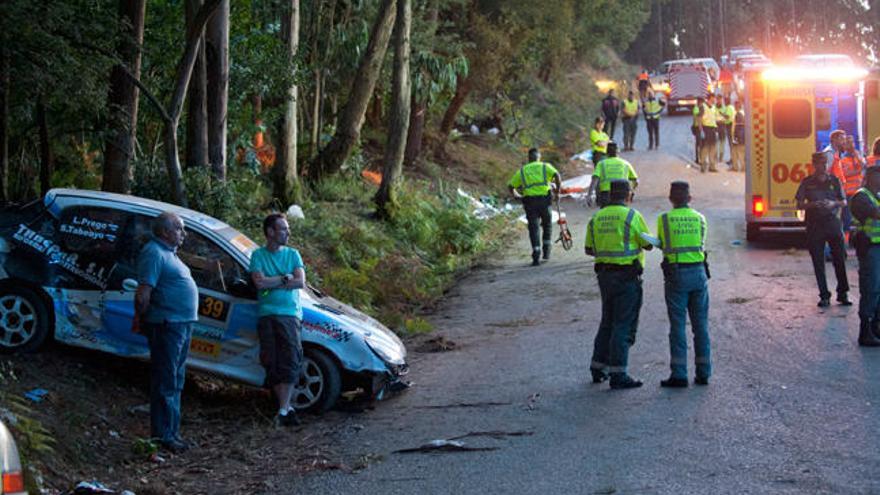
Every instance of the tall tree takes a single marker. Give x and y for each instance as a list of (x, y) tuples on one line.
[(286, 174), (386, 197), (197, 111), (332, 156), (123, 98), (47, 160), (217, 55), (4, 121)]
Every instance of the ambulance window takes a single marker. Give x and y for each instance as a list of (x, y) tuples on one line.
[(792, 119), (823, 119)]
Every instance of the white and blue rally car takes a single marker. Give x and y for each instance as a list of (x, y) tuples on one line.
[(67, 271)]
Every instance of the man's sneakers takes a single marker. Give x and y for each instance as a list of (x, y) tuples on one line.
[(546, 252), (599, 376), (824, 302), (701, 380), (287, 418), (673, 382), (175, 446), (620, 381), (536, 257), (843, 300)]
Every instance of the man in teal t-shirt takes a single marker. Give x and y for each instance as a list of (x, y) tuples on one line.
[(278, 274)]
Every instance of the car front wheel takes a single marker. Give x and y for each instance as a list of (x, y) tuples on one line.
[(320, 383), (24, 319)]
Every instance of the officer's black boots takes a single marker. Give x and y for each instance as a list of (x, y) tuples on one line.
[(622, 381), (843, 300), (674, 383), (866, 335), (536, 256), (546, 251), (875, 328), (599, 376)]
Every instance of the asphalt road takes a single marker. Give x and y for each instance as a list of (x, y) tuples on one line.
[(792, 406)]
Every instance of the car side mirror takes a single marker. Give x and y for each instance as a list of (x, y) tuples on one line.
[(241, 288), (129, 285)]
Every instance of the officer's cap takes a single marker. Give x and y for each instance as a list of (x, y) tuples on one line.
[(819, 157), (611, 147), (679, 187), (619, 187)]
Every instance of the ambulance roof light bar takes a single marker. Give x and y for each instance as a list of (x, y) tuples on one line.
[(798, 73)]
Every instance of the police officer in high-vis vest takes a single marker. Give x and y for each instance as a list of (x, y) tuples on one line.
[(532, 183), (611, 168), (653, 108), (865, 209), (709, 130), (682, 234), (614, 238), (630, 121)]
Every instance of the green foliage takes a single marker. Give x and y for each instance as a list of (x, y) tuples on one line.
[(389, 269)]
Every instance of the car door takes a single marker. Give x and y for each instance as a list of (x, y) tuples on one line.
[(224, 339), (93, 251)]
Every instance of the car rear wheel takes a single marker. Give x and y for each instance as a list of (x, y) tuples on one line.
[(320, 383), (24, 320)]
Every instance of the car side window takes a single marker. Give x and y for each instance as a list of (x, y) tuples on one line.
[(90, 241), (211, 266)]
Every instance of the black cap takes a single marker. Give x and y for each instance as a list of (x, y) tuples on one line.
[(619, 187), (679, 187), (820, 155), (611, 147)]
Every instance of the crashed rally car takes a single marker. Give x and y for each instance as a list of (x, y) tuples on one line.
[(68, 272)]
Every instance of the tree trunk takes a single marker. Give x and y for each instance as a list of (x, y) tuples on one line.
[(331, 158), (217, 56), (401, 92), (462, 89), (172, 118), (316, 114), (286, 176), (197, 112), (123, 99), (46, 159), (416, 131), (4, 124)]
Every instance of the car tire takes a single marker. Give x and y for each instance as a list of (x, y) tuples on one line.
[(320, 384), (670, 110), (25, 319)]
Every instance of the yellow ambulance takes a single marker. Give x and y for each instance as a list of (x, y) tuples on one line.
[(790, 113)]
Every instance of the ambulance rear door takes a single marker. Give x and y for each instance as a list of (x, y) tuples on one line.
[(791, 139)]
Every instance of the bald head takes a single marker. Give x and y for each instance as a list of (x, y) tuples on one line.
[(169, 228)]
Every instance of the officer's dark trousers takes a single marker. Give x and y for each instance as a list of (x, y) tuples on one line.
[(610, 125), (817, 236), (698, 140), (869, 284), (629, 131), (653, 132), (621, 293), (538, 210), (686, 289)]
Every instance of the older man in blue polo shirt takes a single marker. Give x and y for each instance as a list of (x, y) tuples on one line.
[(166, 303)]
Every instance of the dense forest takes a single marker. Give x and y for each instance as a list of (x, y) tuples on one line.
[(238, 107)]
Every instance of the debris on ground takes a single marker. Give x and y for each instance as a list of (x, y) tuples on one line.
[(36, 395), (496, 434), (740, 300), (444, 446), (532, 403), (465, 404), (437, 344)]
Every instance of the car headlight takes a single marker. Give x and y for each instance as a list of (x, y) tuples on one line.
[(389, 348)]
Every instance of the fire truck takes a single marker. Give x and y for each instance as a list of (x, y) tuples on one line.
[(790, 113)]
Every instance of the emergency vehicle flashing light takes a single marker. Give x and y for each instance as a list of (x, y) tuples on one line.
[(758, 206), (795, 73)]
